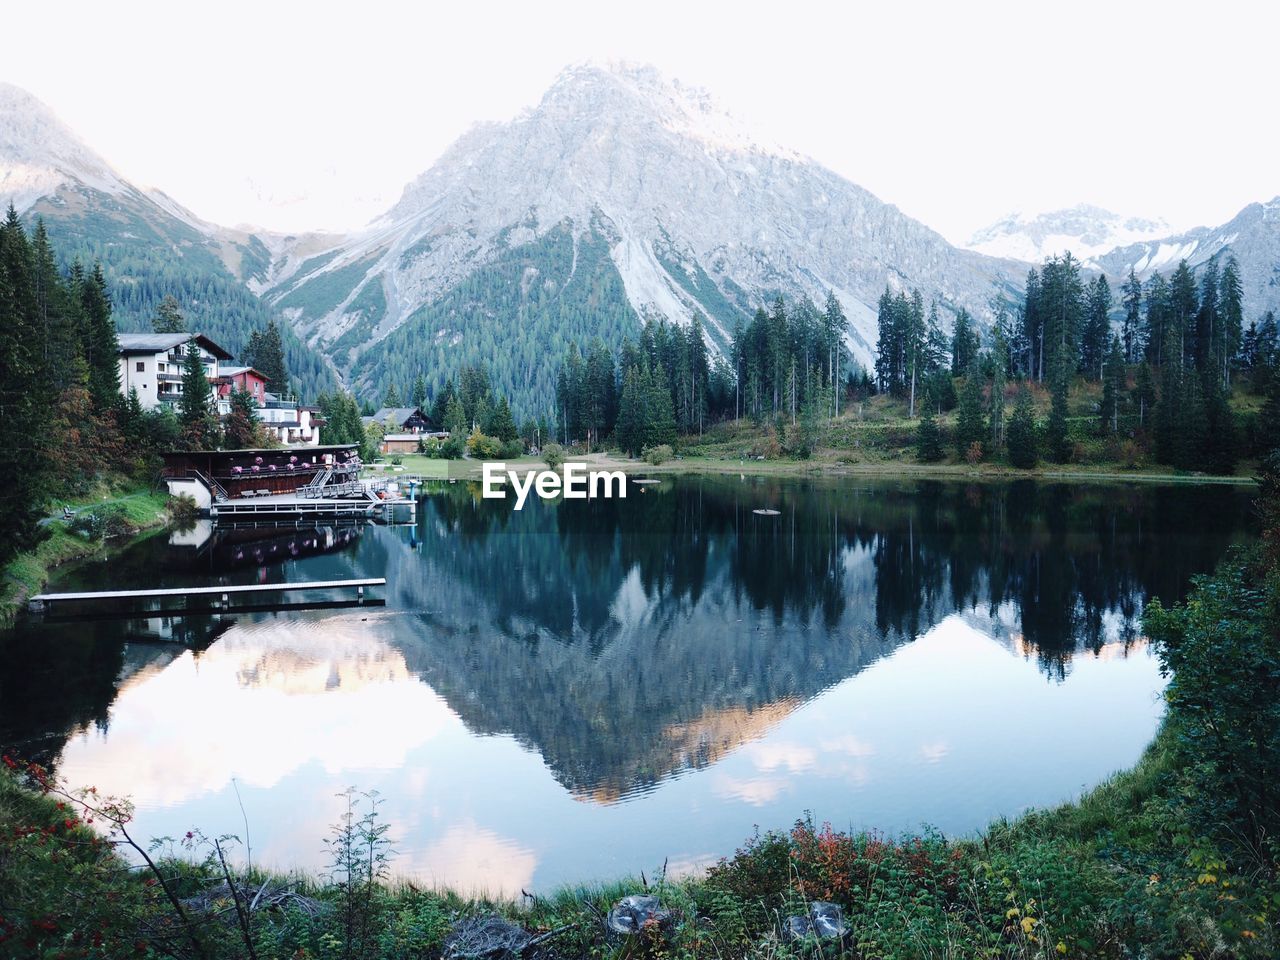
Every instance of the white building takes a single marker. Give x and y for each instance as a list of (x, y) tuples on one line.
[(293, 424), (152, 364)]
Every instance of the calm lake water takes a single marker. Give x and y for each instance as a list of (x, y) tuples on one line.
[(588, 689)]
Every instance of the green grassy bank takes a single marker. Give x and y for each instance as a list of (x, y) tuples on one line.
[(130, 511)]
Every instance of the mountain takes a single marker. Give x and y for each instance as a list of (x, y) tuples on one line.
[(149, 246), (620, 195), (1252, 237), (1085, 230)]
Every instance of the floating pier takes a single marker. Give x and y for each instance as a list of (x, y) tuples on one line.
[(44, 601)]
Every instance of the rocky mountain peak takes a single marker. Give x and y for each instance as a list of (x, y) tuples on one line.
[(39, 154)]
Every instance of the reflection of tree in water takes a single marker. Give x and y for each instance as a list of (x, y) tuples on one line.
[(57, 678), (653, 634), (628, 640)]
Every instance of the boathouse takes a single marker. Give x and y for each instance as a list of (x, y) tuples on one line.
[(219, 476)]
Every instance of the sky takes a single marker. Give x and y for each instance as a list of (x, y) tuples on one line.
[(298, 116)]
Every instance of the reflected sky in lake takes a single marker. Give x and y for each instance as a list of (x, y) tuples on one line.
[(580, 691)]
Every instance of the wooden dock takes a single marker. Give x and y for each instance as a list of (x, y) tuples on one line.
[(224, 593)]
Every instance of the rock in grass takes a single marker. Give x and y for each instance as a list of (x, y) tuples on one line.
[(825, 921), (631, 914)]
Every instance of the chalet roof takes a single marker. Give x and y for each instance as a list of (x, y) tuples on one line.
[(236, 371), (398, 414), (133, 343)]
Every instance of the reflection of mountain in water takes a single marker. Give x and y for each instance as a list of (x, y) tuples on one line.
[(627, 641)]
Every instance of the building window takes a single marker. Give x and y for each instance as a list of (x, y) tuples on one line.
[(142, 366)]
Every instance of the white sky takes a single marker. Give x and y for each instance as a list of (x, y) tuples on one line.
[(307, 115)]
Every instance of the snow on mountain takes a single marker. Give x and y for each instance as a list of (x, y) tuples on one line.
[(1252, 236), (699, 215), (1085, 230), (39, 154)]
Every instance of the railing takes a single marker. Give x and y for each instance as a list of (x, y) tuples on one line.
[(312, 487), (219, 492)]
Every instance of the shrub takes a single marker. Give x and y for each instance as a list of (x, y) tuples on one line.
[(107, 520), (182, 510), (553, 455), (397, 460), (974, 454), (451, 448), (1223, 653), (659, 454), (512, 449), (484, 447)]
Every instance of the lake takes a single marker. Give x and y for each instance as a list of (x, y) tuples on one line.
[(588, 689)]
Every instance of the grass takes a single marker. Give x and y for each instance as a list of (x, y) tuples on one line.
[(27, 573)]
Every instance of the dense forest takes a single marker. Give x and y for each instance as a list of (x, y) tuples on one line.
[(1166, 357), (145, 262), (557, 289)]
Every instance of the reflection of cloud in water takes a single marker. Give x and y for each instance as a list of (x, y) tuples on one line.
[(935, 751), (475, 859), (793, 757), (263, 702), (756, 791), (849, 745)]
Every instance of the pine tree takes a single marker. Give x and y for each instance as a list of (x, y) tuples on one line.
[(455, 418), (501, 423), (419, 396), (169, 318), (1113, 384), (1056, 431), (1021, 436), (265, 353), (1184, 305), (971, 426), (999, 373), (195, 409), (1131, 329), (23, 413), (1231, 305), (1144, 393), (240, 431), (632, 412), (1166, 418), (928, 437), (964, 344), (1220, 451), (1157, 332), (100, 346), (661, 425), (391, 398), (440, 405), (1096, 337)]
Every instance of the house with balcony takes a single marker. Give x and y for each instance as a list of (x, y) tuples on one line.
[(152, 364), (233, 378), (292, 423)]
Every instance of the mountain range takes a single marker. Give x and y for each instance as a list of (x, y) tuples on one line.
[(622, 195)]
